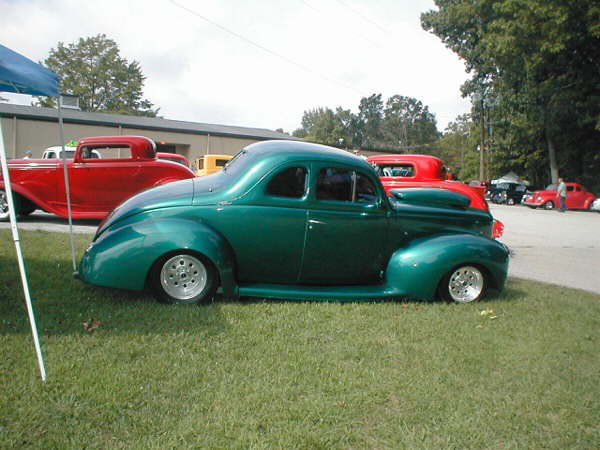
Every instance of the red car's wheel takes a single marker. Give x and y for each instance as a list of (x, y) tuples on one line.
[(549, 205)]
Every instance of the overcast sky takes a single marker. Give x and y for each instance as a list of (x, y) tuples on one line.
[(288, 56)]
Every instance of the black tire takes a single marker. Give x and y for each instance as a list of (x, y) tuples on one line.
[(510, 201), (548, 205), (23, 205), (182, 277), (466, 283)]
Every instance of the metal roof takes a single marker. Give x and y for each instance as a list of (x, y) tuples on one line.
[(144, 123)]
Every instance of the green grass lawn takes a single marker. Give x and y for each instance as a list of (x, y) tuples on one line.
[(263, 374)]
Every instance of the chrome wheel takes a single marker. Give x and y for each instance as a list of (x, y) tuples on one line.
[(548, 205), (466, 284), (3, 205), (183, 277)]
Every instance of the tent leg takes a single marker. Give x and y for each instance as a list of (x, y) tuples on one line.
[(66, 177), (15, 234)]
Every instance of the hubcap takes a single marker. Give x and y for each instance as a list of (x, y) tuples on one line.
[(466, 284), (3, 203), (183, 277)]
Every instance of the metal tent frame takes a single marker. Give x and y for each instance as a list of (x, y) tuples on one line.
[(20, 75)]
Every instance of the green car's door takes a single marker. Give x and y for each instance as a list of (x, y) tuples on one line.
[(267, 230), (347, 229)]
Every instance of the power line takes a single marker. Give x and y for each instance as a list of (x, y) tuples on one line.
[(362, 36), (265, 49), (362, 16)]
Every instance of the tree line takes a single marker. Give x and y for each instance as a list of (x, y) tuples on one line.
[(400, 124)]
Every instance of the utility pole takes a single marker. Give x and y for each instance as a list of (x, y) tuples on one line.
[(482, 146)]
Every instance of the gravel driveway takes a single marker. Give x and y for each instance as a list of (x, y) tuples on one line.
[(548, 246)]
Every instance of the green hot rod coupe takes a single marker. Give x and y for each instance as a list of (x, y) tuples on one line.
[(295, 220)]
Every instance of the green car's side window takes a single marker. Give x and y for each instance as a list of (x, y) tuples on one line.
[(345, 185), (290, 182), (365, 189), (335, 184)]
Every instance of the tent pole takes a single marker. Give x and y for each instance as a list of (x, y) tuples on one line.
[(15, 234), (66, 177)]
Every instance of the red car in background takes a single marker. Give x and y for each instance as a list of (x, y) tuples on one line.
[(578, 197), (410, 171), (97, 185)]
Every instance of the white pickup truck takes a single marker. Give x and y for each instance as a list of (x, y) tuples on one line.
[(55, 152)]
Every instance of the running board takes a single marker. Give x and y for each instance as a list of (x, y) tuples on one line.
[(320, 293)]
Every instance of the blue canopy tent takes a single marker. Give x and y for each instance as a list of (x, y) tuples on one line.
[(21, 75)]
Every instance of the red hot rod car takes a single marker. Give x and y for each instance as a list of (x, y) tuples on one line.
[(578, 197), (128, 165)]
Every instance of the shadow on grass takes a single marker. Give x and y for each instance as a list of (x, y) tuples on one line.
[(63, 305)]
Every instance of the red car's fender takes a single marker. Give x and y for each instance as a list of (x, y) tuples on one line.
[(165, 180)]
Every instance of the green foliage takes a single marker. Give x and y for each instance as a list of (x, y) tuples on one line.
[(409, 122), (403, 124), (539, 60), (93, 69), (327, 126), (127, 372), (369, 119)]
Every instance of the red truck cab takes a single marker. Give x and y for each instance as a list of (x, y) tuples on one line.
[(128, 165)]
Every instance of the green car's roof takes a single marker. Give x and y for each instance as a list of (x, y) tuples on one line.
[(294, 150)]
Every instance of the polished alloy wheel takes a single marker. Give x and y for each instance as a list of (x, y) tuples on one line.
[(466, 284), (183, 277)]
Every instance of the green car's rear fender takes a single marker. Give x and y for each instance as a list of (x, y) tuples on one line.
[(418, 268), (123, 258)]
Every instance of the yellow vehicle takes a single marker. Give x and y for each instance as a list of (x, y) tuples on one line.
[(210, 163)]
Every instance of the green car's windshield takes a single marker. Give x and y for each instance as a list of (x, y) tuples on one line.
[(236, 163)]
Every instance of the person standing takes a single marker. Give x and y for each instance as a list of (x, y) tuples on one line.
[(561, 193)]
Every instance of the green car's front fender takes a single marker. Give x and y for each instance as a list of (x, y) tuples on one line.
[(417, 269), (122, 258)]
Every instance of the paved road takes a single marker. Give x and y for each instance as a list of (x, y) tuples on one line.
[(547, 246), (554, 247), (48, 222)]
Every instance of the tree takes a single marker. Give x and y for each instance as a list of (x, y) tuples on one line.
[(457, 147), (327, 126), (93, 70), (368, 121), (408, 124), (405, 122)]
